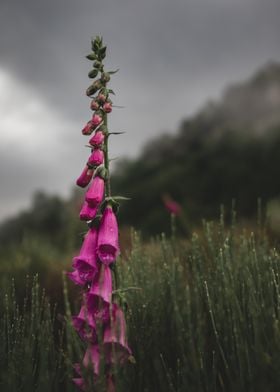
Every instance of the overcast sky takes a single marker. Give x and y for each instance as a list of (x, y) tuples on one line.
[(173, 56)]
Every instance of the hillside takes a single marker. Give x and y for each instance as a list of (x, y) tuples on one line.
[(228, 150)]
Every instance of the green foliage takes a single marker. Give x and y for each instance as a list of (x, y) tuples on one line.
[(202, 315)]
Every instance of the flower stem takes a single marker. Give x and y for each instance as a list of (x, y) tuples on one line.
[(106, 158)]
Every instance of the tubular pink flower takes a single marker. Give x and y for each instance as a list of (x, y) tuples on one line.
[(86, 262), (95, 193), (85, 177), (114, 340), (100, 293), (97, 139), (84, 324), (108, 237), (96, 158), (88, 128), (96, 120), (92, 359), (87, 212)]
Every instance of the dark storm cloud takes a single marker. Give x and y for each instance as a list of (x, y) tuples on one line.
[(173, 56)]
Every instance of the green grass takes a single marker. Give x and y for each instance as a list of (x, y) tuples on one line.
[(203, 316)]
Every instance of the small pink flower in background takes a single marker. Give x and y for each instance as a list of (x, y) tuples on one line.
[(88, 128), (85, 177), (96, 158), (107, 107), (96, 120), (171, 205), (80, 383), (87, 212), (86, 262), (95, 193), (97, 139), (108, 237), (114, 340)]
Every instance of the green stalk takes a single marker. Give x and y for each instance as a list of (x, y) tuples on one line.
[(106, 158)]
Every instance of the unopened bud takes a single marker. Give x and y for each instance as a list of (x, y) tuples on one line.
[(101, 98), (94, 105), (97, 139), (88, 128), (107, 107), (85, 177), (96, 120), (97, 85), (97, 64), (105, 77), (96, 158)]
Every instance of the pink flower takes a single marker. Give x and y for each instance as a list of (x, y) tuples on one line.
[(96, 158), (108, 237), (88, 128), (107, 107), (171, 205), (75, 277), (87, 212), (92, 359), (95, 193), (114, 340), (100, 293), (96, 120), (97, 139), (84, 324), (85, 177), (86, 262)]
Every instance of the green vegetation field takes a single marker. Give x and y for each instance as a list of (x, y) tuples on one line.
[(205, 315)]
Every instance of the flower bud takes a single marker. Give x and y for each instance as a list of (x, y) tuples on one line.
[(85, 177), (97, 85), (96, 158), (97, 64), (105, 77), (97, 139), (101, 98), (107, 107), (96, 120), (94, 105), (88, 128), (87, 212), (95, 193)]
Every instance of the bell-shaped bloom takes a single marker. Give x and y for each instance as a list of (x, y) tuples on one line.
[(96, 120), (97, 139), (108, 237), (85, 177), (92, 359), (114, 339), (87, 212), (88, 128), (96, 158), (75, 277), (86, 261), (95, 193), (84, 324), (100, 293)]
